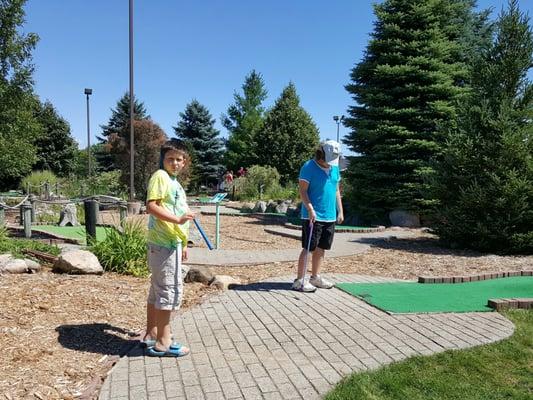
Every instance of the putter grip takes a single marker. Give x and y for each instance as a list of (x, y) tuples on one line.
[(209, 245)]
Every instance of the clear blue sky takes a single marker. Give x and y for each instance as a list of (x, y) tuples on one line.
[(203, 50)]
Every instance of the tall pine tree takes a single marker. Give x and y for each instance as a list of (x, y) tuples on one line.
[(118, 124), (18, 125), (244, 120), (289, 136), (485, 180), (196, 128), (413, 71)]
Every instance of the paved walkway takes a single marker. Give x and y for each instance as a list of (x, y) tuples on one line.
[(345, 244), (264, 341)]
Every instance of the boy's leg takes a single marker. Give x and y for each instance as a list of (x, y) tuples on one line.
[(164, 336), (318, 257), (151, 327)]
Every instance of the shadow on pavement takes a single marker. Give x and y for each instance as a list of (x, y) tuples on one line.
[(97, 338)]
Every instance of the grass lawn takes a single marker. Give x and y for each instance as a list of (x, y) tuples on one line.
[(502, 370), (71, 232)]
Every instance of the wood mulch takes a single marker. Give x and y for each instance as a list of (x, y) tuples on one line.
[(59, 334)]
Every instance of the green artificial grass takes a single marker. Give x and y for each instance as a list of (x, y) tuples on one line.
[(411, 297), (498, 371), (71, 232)]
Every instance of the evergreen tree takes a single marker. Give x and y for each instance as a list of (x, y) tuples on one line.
[(196, 128), (118, 124), (485, 179), (56, 147), (18, 125), (243, 121), (289, 136), (413, 71)]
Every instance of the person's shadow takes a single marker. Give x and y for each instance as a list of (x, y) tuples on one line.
[(100, 338)]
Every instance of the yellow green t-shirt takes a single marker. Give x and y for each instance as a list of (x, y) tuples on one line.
[(166, 188)]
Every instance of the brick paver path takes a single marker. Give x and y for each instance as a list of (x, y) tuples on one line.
[(264, 341)]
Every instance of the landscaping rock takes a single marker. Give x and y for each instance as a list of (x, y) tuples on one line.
[(404, 219), (247, 207), (224, 282), (78, 262), (271, 206), (68, 216), (11, 265), (260, 207), (184, 269), (199, 274), (282, 207)]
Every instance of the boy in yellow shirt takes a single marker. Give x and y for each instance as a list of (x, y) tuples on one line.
[(168, 229)]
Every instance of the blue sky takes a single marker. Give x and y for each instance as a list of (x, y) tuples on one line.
[(203, 50)]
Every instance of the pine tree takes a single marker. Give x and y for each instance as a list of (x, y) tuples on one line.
[(413, 71), (243, 121), (196, 128), (485, 179), (18, 125), (289, 136), (118, 124), (56, 147)]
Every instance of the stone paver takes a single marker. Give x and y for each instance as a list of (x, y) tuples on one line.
[(264, 341)]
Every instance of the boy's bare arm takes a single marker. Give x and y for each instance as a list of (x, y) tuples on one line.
[(155, 208), (340, 211), (303, 186)]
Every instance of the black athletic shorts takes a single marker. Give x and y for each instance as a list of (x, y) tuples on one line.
[(322, 235)]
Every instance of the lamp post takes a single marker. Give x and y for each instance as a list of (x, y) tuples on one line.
[(132, 116), (88, 92), (338, 120)]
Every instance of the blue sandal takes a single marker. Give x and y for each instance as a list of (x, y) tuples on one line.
[(170, 352), (151, 343)]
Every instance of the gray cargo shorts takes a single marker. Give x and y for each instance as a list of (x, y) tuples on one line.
[(166, 289)]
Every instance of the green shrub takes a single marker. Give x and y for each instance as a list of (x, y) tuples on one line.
[(257, 183), (36, 181), (16, 246), (278, 192), (123, 251), (107, 183)]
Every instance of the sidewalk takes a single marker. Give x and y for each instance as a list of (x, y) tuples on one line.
[(264, 341)]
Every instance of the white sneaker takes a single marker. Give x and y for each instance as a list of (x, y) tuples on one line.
[(320, 282), (303, 286)]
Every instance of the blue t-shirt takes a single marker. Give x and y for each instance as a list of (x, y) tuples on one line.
[(322, 190)]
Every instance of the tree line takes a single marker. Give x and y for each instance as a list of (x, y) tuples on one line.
[(440, 123)]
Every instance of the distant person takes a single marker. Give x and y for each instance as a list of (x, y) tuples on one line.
[(228, 179), (168, 229), (241, 172), (322, 207)]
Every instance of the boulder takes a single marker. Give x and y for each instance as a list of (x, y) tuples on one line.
[(11, 265), (404, 219), (224, 282), (78, 262), (247, 207), (260, 207), (271, 206), (68, 216), (282, 207), (199, 274)]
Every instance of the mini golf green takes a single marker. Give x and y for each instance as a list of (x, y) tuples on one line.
[(71, 232), (412, 297)]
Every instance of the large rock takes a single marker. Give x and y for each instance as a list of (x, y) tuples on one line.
[(404, 219), (282, 207), (78, 262), (199, 274), (68, 216), (260, 207), (224, 282), (11, 265)]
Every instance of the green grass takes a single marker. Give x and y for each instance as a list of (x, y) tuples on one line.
[(71, 232), (16, 246), (498, 371)]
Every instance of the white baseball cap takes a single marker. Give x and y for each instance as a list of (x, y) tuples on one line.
[(332, 151)]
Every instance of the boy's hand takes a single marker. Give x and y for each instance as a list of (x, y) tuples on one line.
[(340, 218), (184, 254), (186, 217)]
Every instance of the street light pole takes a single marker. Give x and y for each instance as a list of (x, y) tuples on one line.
[(132, 133), (338, 120), (88, 92)]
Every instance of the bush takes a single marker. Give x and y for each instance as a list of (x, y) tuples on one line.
[(107, 183), (123, 251), (16, 246), (36, 181), (257, 182)]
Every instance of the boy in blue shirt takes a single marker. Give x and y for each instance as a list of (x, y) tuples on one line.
[(322, 207)]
